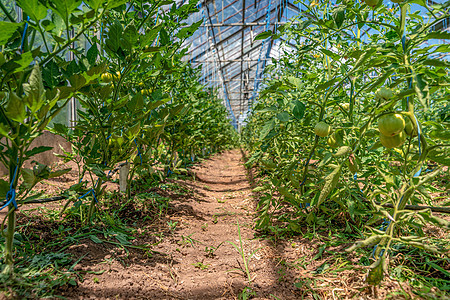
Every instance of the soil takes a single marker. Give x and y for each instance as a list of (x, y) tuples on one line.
[(193, 256)]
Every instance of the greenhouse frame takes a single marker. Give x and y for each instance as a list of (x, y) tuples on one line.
[(224, 149)]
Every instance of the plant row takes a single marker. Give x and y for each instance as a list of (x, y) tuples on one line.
[(139, 102), (353, 125)]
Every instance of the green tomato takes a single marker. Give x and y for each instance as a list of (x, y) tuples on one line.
[(384, 93), (322, 129), (393, 141), (391, 124), (410, 128)]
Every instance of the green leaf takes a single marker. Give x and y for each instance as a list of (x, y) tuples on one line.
[(441, 156), (77, 81), (95, 239), (330, 183), (299, 110), (381, 79), (362, 59), (94, 73), (436, 63), (164, 37), (297, 82), (428, 216), (4, 130), (130, 34), (150, 36), (442, 134), (266, 129), (116, 3), (438, 35), (122, 238), (325, 85), (15, 108), (33, 8), (20, 63), (64, 8), (51, 74), (59, 173), (134, 131), (263, 35), (7, 30), (92, 54), (94, 4), (34, 90), (344, 150), (188, 31), (331, 54), (283, 116), (4, 188), (421, 89), (37, 150), (29, 179), (114, 36), (436, 267), (339, 15)]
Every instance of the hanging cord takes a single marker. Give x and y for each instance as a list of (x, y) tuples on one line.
[(256, 82), (24, 34), (156, 21), (92, 190), (11, 194), (386, 223)]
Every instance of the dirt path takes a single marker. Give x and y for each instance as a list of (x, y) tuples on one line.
[(192, 257), (197, 261)]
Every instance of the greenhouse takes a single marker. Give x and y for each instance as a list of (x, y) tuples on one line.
[(224, 149)]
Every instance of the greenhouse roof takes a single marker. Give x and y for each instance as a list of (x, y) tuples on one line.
[(231, 60)]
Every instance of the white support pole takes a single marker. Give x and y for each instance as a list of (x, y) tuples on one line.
[(123, 177)]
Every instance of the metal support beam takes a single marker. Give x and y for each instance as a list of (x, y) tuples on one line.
[(231, 35), (242, 53), (228, 60), (269, 48), (249, 24)]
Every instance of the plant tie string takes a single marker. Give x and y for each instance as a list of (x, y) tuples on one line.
[(89, 192), (139, 151), (417, 174), (304, 179), (11, 194)]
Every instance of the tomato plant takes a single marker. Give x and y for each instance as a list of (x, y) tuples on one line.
[(373, 77), (126, 73)]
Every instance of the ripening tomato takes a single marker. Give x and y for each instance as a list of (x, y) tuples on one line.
[(393, 141), (322, 129), (391, 124)]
